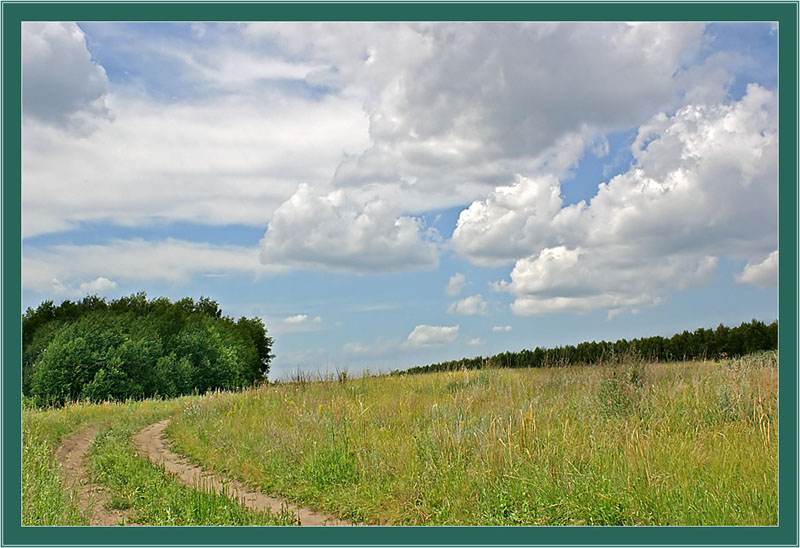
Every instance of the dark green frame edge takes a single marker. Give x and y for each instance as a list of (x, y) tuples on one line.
[(786, 533)]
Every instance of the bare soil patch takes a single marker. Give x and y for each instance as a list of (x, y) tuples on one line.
[(150, 443), (92, 499)]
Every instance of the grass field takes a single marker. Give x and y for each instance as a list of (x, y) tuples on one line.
[(691, 443), (664, 444), (134, 484)]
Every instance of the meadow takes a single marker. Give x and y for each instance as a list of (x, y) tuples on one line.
[(133, 484), (631, 443)]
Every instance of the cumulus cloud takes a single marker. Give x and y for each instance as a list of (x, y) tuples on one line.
[(484, 100), (579, 281), (703, 185), (316, 231), (512, 220), (453, 108), (299, 318), (469, 306), (401, 119), (455, 284), (298, 323), (61, 85), (762, 274), (497, 328), (475, 342), (430, 335), (98, 285)]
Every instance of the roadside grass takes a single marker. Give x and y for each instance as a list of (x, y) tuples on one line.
[(133, 483), (690, 443), (44, 500), (139, 487)]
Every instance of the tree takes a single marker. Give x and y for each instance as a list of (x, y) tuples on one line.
[(135, 348)]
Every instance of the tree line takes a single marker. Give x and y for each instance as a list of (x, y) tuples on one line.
[(137, 348), (702, 343)]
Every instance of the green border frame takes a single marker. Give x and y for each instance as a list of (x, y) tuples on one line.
[(785, 13)]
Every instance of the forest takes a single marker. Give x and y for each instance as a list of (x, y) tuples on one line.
[(135, 348), (702, 343)]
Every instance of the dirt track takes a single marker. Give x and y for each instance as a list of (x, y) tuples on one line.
[(92, 500), (150, 443)]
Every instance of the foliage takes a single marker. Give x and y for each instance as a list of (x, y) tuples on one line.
[(135, 348), (703, 343)]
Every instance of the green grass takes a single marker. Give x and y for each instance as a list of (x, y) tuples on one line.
[(660, 444), (44, 501), (134, 485)]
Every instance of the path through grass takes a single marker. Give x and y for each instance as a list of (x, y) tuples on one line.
[(133, 483)]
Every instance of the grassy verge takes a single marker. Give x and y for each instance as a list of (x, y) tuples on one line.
[(134, 484), (140, 488), (661, 444), (44, 501)]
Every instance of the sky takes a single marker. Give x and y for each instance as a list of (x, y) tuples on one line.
[(387, 195)]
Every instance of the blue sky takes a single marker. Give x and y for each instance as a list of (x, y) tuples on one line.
[(388, 195)]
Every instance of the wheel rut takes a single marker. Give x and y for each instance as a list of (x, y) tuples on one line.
[(150, 443), (92, 498)]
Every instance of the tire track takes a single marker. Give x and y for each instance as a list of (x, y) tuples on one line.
[(150, 443), (93, 500)]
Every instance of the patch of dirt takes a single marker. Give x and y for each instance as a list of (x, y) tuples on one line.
[(150, 443), (92, 498)]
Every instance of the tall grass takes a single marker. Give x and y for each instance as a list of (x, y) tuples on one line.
[(665, 444)]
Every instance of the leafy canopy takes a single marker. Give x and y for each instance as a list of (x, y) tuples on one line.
[(137, 348)]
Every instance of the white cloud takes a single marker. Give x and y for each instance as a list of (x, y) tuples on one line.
[(703, 185), (469, 306), (467, 102), (475, 342), (333, 231), (512, 220), (402, 118), (230, 161), (134, 261), (456, 284), (579, 281), (299, 318), (762, 274), (61, 85), (298, 323), (497, 328), (452, 108), (98, 285), (58, 287), (429, 335), (302, 318)]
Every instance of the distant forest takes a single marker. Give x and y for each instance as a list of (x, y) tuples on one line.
[(701, 343), (136, 348)]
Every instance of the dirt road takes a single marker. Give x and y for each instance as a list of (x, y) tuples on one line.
[(92, 500), (150, 443)]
